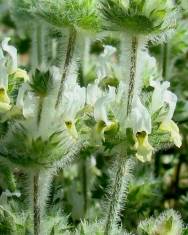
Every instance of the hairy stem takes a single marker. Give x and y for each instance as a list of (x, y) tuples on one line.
[(49, 47), (132, 75), (40, 107), (36, 206), (59, 50), (119, 190), (68, 60)]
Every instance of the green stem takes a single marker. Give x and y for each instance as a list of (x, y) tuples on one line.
[(40, 107), (68, 60), (45, 45), (132, 75), (36, 206), (121, 182), (59, 50), (116, 197)]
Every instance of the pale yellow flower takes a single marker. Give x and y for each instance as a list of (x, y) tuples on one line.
[(110, 127), (4, 101), (173, 129), (143, 147), (20, 73), (71, 129)]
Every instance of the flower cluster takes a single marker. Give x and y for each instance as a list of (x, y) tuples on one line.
[(151, 113), (40, 133)]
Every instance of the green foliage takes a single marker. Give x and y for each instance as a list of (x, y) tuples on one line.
[(136, 17), (142, 194), (160, 140), (168, 223), (79, 14), (109, 82), (41, 83), (21, 149), (20, 223), (13, 86), (21, 9), (7, 177), (14, 224), (95, 229), (178, 42), (36, 142)]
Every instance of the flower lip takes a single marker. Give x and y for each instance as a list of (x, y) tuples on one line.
[(12, 52), (143, 147)]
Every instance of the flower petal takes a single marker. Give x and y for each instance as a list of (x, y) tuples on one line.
[(12, 51), (173, 129), (143, 147), (20, 73), (171, 99), (158, 95), (140, 119), (100, 110)]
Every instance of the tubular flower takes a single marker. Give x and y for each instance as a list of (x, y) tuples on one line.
[(26, 101), (171, 127), (101, 109), (8, 66), (140, 122), (93, 93), (140, 119), (161, 97), (12, 64), (12, 61), (143, 147), (104, 65), (20, 73), (73, 102), (4, 98)]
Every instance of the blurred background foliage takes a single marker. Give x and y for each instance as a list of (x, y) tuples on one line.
[(79, 190)]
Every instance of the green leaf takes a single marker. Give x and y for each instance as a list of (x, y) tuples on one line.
[(41, 83)]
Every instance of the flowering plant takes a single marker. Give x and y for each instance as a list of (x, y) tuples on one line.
[(69, 102)]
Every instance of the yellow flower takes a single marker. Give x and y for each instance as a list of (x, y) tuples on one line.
[(109, 128), (20, 73), (4, 101), (173, 129), (71, 129), (143, 147)]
